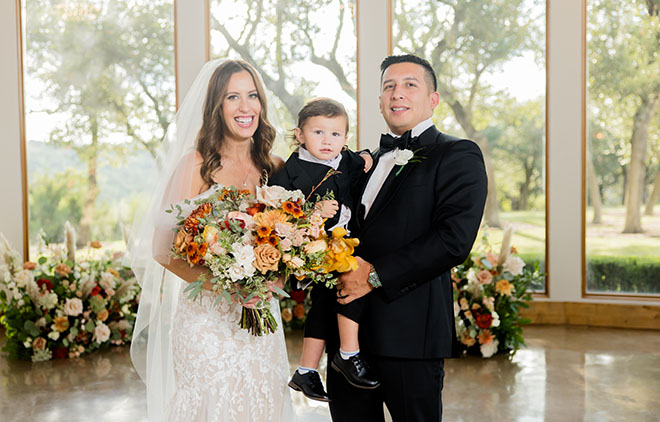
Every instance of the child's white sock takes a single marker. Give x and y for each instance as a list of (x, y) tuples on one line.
[(347, 355), (302, 370)]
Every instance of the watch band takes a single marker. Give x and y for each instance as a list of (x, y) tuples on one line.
[(373, 279)]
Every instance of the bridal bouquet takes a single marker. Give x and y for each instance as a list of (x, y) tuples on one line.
[(489, 290), (249, 242)]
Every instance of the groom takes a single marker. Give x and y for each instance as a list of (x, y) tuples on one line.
[(419, 218)]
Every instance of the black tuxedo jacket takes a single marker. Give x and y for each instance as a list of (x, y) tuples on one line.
[(423, 222)]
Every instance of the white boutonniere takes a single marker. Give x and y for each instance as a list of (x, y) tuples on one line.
[(405, 156)]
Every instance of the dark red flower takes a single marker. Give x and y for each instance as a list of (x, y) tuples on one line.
[(60, 352), (483, 321), (298, 295), (122, 333), (45, 282), (96, 290)]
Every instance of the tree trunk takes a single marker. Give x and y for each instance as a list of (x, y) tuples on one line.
[(594, 191), (655, 195), (92, 185), (492, 212), (637, 169)]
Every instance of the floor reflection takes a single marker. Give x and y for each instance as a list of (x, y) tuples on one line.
[(565, 374)]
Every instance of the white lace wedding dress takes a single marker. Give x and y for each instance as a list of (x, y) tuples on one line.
[(222, 372)]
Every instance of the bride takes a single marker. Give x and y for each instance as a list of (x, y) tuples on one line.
[(196, 361)]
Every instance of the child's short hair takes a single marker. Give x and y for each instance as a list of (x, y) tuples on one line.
[(321, 106)]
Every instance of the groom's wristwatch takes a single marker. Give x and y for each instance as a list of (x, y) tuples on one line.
[(373, 279)]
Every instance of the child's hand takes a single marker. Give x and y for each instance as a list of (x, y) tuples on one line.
[(328, 208), (368, 160)]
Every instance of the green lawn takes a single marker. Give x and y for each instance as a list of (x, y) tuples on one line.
[(602, 240)]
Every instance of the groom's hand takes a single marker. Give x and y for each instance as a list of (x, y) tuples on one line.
[(354, 284)]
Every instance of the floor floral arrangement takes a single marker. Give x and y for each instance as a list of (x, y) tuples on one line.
[(489, 290), (294, 309), (63, 305)]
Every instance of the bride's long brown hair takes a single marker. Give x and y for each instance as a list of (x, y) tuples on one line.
[(211, 134)]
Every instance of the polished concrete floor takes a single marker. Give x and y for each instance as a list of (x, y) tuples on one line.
[(565, 374)]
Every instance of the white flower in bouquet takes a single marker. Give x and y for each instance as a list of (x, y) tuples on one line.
[(54, 335), (271, 195), (286, 244), (402, 156), (217, 250), (235, 272), (48, 301), (496, 319), (244, 254), (514, 265), (24, 277), (73, 307), (101, 333), (489, 349), (457, 309), (315, 246), (245, 218)]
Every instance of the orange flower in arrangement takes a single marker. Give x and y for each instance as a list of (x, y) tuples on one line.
[(288, 207), (271, 240), (29, 265), (196, 252), (485, 337), (254, 209), (340, 252), (297, 212), (270, 218), (299, 311), (504, 287), (63, 270), (202, 211), (264, 231), (95, 244), (287, 315), (191, 225), (61, 323)]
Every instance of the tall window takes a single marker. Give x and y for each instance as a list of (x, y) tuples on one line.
[(302, 49), (489, 57), (623, 147), (99, 85)]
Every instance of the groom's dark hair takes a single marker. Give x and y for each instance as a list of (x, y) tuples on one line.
[(429, 74)]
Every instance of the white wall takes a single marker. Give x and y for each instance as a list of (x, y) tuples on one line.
[(11, 211), (564, 60)]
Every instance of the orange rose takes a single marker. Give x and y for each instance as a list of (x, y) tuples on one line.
[(467, 340), (95, 244), (299, 311), (63, 270), (39, 343), (29, 266), (181, 241), (266, 257)]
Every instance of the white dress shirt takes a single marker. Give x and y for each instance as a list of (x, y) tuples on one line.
[(385, 166)]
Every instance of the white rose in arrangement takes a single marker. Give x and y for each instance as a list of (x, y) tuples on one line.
[(244, 254), (235, 272), (489, 349), (217, 250), (41, 323), (271, 195), (296, 262), (514, 265), (54, 335), (24, 277), (101, 333), (315, 246), (402, 156), (73, 307)]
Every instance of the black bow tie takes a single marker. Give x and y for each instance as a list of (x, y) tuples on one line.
[(389, 143)]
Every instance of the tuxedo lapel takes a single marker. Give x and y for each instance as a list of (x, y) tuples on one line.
[(398, 175)]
